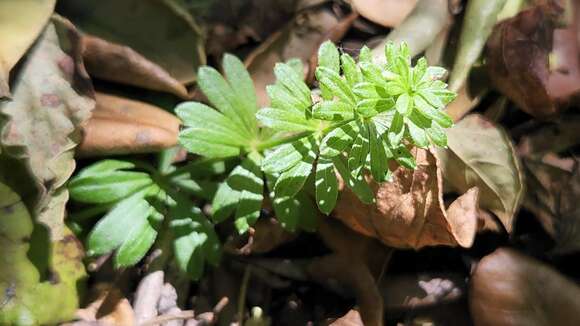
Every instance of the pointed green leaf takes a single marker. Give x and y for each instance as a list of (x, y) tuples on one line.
[(332, 111), (404, 104), (203, 142), (397, 130), (338, 140), (351, 71), (379, 164), (432, 113), (358, 185), (287, 76), (243, 87), (326, 185), (138, 242), (359, 151), (337, 86), (328, 56), (418, 135), (437, 134), (249, 180), (283, 120), (281, 98)]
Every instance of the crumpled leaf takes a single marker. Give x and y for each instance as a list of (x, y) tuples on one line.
[(161, 31), (28, 297), (109, 307), (553, 187), (533, 63), (409, 211), (389, 13), (52, 97), (300, 39), (119, 63), (509, 288), (120, 126), (419, 29), (479, 154), (22, 22)]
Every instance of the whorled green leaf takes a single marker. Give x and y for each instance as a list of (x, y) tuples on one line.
[(106, 182), (378, 157), (357, 184), (338, 139), (332, 111), (481, 154), (296, 212), (195, 240), (326, 185), (286, 156), (291, 180), (357, 156)]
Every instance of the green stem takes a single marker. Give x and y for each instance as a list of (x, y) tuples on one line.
[(281, 141)]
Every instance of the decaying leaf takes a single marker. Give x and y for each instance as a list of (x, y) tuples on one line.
[(409, 210), (22, 22), (119, 63), (352, 318), (479, 154), (161, 31), (108, 306), (533, 63), (553, 185), (300, 39), (38, 281), (120, 126), (389, 13), (509, 288), (52, 97), (554, 136), (419, 29)]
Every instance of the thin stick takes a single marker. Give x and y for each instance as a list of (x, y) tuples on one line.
[(186, 314), (242, 297)]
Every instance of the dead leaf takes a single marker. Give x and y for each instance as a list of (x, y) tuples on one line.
[(147, 296), (389, 13), (553, 185), (120, 126), (118, 63), (409, 210), (161, 31), (108, 307), (533, 63), (509, 288), (22, 22), (419, 29), (479, 154), (300, 38), (352, 318), (267, 235), (555, 136), (463, 103), (52, 98)]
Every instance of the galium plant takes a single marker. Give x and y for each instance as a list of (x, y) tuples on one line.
[(363, 116)]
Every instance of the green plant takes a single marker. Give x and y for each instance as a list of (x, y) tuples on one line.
[(363, 116)]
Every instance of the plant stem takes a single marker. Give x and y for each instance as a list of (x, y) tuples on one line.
[(281, 141)]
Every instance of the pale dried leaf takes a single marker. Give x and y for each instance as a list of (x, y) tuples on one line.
[(389, 13), (480, 154)]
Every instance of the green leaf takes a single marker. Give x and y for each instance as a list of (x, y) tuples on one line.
[(203, 142), (224, 202), (366, 90), (250, 183), (293, 212), (243, 87), (292, 81), (379, 164), (372, 73), (431, 98), (397, 130), (360, 149), (338, 139), (222, 96), (418, 135), (332, 111), (137, 244), (351, 71), (284, 120), (435, 73), (419, 70), (328, 57), (103, 183), (116, 226), (371, 107), (286, 156), (437, 134), (326, 185), (105, 166), (357, 184), (365, 54), (431, 113), (281, 98), (202, 117), (292, 180), (404, 157), (337, 86), (404, 104)]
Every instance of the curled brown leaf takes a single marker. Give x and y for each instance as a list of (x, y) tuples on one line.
[(409, 210), (120, 126)]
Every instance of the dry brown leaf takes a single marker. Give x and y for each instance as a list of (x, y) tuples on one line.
[(109, 307), (462, 104), (409, 211), (533, 63), (300, 38), (509, 288), (120, 126), (389, 13), (553, 190), (22, 22), (266, 236), (556, 136), (352, 318), (119, 63), (480, 154)]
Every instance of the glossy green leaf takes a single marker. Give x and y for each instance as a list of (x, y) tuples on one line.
[(350, 69), (292, 81), (284, 120), (360, 149), (334, 82)]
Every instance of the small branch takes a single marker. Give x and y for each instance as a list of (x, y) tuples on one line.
[(242, 296), (186, 314)]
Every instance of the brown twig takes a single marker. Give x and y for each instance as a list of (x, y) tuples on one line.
[(186, 314)]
